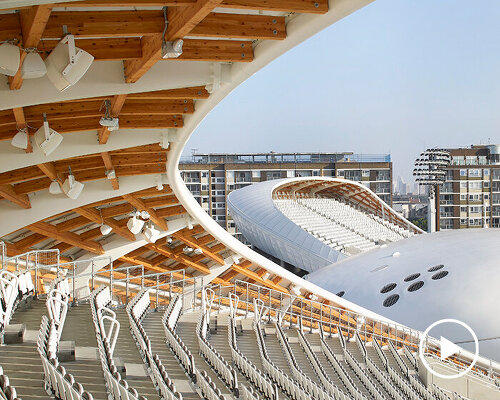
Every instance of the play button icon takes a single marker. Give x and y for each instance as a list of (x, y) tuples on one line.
[(447, 348), (429, 346)]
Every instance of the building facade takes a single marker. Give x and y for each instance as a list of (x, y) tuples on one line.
[(211, 177), (470, 196)]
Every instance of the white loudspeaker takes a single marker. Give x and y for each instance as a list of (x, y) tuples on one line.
[(20, 140), (47, 139), (72, 188), (151, 234), (135, 225), (33, 66), (66, 64), (106, 229), (10, 58)]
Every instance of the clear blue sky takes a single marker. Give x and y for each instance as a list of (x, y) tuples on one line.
[(396, 76)]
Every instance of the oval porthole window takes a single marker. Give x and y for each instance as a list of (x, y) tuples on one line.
[(439, 275), (435, 268), (415, 286), (341, 293), (412, 277), (387, 288), (391, 300)]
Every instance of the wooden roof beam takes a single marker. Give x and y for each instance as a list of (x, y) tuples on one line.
[(33, 23), (179, 257), (73, 239), (116, 106), (106, 158), (207, 251), (181, 21), (94, 216), (140, 205), (9, 193)]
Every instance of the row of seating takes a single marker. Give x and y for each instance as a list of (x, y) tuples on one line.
[(7, 392), (225, 371), (15, 288), (311, 387), (292, 388), (58, 383), (247, 393), (137, 309), (247, 368), (208, 388), (334, 390), (118, 388), (169, 320)]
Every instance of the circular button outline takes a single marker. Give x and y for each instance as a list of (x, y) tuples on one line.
[(426, 333)]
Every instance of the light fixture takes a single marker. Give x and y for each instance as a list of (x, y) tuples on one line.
[(105, 229), (159, 183), (295, 290), (135, 225), (33, 65), (236, 258), (10, 58), (198, 251), (55, 188), (108, 121), (21, 139), (144, 214), (170, 49), (187, 250), (266, 276), (189, 223), (313, 297), (110, 174), (71, 187), (46, 138), (150, 233), (67, 64)]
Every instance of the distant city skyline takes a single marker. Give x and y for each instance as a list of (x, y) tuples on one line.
[(394, 77)]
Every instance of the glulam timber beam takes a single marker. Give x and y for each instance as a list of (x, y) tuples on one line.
[(257, 278), (140, 205), (94, 216), (33, 23), (297, 6), (207, 251), (9, 193), (108, 164), (181, 21), (179, 257), (116, 106), (71, 238)]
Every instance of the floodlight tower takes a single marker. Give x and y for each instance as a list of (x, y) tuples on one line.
[(430, 170)]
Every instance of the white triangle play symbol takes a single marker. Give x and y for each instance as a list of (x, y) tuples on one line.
[(448, 348)]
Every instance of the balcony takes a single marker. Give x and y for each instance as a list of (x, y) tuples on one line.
[(446, 214)]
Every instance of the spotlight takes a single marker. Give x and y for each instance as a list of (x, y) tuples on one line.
[(67, 64), (198, 251), (135, 225), (108, 121), (159, 183), (10, 58), (105, 229), (71, 187), (151, 234), (47, 138), (236, 258), (295, 290), (172, 49), (33, 66), (110, 174), (169, 240), (55, 188), (21, 139), (189, 223), (187, 250), (144, 215)]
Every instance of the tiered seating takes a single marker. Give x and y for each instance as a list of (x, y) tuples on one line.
[(7, 392), (137, 310), (340, 225), (106, 341), (16, 288), (58, 383), (225, 371), (170, 318)]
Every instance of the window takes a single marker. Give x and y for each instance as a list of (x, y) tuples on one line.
[(382, 175), (476, 209), (463, 172), (204, 187), (340, 172), (353, 174), (463, 221), (475, 185), (255, 174), (463, 185), (273, 175), (486, 196), (463, 197), (474, 173), (486, 184), (316, 172), (470, 160), (365, 173), (463, 209), (204, 174), (486, 172)]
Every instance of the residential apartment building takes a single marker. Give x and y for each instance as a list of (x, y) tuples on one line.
[(470, 196), (211, 177)]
